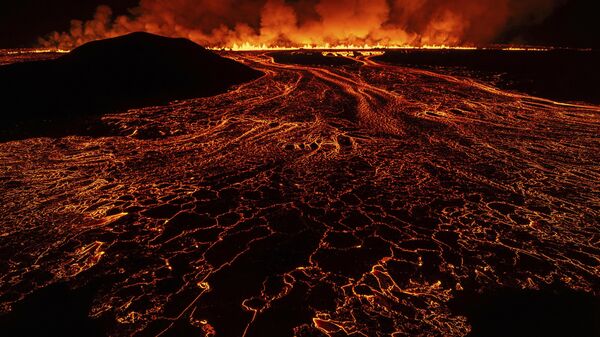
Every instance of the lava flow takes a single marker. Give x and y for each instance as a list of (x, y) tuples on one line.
[(346, 200)]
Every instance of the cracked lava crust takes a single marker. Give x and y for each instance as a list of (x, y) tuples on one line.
[(355, 199)]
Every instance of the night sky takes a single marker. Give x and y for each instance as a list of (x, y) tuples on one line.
[(23, 21), (573, 23)]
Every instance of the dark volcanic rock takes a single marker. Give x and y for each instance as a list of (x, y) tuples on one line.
[(567, 75), (130, 71), (552, 311)]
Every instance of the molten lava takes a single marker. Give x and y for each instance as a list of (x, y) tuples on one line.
[(314, 201)]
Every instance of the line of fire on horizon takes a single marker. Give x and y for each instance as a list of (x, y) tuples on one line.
[(326, 47)]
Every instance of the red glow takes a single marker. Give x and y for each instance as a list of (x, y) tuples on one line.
[(322, 24)]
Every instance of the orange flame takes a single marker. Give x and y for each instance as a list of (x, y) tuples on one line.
[(316, 24)]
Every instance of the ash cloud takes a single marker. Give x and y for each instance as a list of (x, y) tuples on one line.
[(225, 23)]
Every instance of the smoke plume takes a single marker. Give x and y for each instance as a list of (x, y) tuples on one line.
[(295, 23)]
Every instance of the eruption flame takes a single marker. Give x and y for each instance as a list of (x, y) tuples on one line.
[(325, 24)]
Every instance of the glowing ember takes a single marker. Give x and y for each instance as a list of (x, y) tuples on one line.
[(35, 51)]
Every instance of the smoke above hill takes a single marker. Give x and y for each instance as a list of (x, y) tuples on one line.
[(228, 23)]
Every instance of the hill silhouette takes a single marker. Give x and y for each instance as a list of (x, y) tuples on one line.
[(133, 70)]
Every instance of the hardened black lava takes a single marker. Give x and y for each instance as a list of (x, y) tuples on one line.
[(359, 199)]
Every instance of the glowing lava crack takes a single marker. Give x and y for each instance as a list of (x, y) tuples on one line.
[(315, 201)]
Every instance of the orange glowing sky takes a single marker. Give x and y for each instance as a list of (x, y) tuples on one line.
[(280, 23)]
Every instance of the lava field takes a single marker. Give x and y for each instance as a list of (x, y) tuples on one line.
[(354, 199)]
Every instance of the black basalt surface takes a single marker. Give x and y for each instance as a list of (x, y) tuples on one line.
[(134, 70), (568, 75), (551, 311)]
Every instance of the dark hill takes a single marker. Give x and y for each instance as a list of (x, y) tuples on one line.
[(134, 70)]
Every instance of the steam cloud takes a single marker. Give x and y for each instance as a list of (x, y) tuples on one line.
[(225, 23)]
